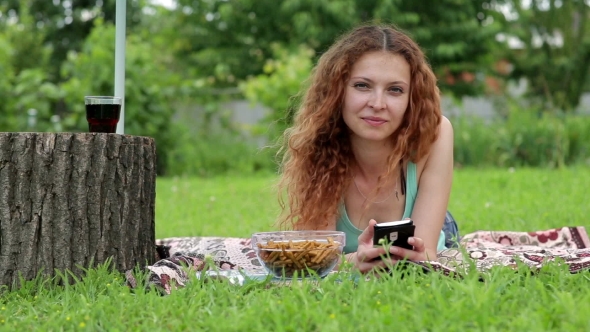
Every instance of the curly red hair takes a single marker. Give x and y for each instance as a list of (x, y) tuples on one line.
[(316, 165)]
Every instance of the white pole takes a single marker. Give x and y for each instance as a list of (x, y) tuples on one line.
[(120, 27)]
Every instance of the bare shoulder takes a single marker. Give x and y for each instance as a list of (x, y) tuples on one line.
[(445, 135), (445, 129), (441, 151)]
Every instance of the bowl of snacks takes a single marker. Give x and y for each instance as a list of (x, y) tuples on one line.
[(289, 254)]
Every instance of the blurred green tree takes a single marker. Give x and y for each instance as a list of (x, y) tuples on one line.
[(6, 80), (283, 76), (150, 90), (26, 89), (65, 23), (551, 49), (230, 41)]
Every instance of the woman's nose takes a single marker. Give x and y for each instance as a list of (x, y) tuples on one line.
[(377, 101)]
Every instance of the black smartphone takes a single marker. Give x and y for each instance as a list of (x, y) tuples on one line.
[(394, 233)]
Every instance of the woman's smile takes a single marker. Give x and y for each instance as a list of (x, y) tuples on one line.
[(374, 121)]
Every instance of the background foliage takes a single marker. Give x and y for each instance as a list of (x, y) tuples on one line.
[(148, 93), (553, 51), (524, 139)]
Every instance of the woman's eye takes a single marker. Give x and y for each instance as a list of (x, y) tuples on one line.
[(396, 90), (360, 85)]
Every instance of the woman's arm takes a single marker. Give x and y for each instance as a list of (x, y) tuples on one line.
[(434, 188)]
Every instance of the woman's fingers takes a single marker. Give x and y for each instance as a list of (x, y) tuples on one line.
[(414, 255), (366, 237), (402, 253), (418, 244), (375, 265), (370, 254)]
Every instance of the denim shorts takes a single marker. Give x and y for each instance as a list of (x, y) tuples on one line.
[(451, 231)]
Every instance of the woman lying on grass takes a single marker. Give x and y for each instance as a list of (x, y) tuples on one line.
[(369, 145)]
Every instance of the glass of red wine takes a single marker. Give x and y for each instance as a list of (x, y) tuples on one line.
[(102, 113)]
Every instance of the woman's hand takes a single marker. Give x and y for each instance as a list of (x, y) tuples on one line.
[(367, 256)]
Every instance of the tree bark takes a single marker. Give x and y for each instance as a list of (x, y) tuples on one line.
[(70, 201)]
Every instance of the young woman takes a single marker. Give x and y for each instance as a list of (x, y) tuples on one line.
[(369, 145)]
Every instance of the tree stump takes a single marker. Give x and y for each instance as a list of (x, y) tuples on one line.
[(70, 201)]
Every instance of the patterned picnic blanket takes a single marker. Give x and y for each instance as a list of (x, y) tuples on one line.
[(485, 249)]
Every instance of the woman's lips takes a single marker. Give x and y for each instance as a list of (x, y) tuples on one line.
[(374, 121)]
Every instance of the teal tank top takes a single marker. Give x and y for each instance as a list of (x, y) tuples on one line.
[(352, 233)]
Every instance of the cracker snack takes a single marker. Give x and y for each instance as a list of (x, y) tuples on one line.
[(287, 258)]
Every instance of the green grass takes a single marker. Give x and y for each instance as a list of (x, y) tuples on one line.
[(520, 199), (498, 199), (232, 206), (221, 206)]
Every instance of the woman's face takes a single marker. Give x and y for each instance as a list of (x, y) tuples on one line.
[(376, 96)]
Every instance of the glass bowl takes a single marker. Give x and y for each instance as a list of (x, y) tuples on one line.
[(287, 254)]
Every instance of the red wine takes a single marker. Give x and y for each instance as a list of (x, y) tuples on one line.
[(103, 118)]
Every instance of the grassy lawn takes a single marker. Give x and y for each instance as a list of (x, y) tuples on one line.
[(496, 199)]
